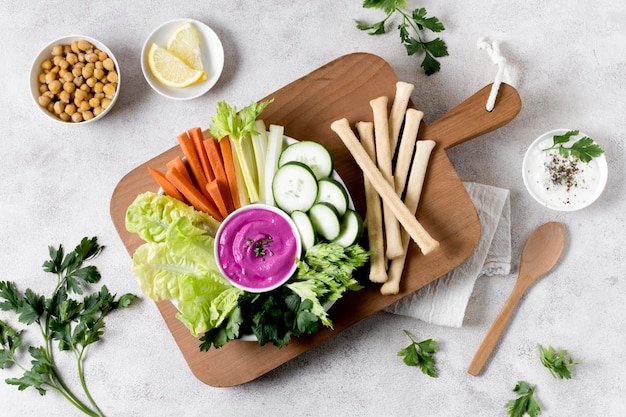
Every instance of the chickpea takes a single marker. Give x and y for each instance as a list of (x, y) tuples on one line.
[(44, 101), (85, 88), (83, 106), (112, 77), (74, 47), (98, 88), (87, 115), (99, 95), (57, 59), (57, 50), (68, 77), (77, 117), (64, 64), (50, 107), (84, 45), (64, 96), (42, 78), (102, 56), (72, 58), (109, 90), (91, 57), (78, 81), (54, 86), (109, 65), (46, 65), (70, 87), (97, 111), (58, 107), (98, 73), (87, 72), (94, 102), (70, 109), (43, 88), (64, 116), (99, 65), (79, 96), (105, 102)]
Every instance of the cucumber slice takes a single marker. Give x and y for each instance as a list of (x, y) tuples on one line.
[(332, 192), (294, 187), (313, 154), (325, 220), (305, 228), (351, 229)]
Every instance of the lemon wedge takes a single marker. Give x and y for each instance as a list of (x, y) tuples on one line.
[(171, 70), (184, 42)]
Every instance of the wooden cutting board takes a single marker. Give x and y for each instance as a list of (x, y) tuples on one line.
[(306, 108)]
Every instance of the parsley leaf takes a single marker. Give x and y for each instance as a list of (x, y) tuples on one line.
[(411, 29), (584, 148), (525, 403), (420, 354), (70, 322), (557, 361)]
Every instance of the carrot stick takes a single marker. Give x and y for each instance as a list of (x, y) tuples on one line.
[(198, 138), (217, 164), (186, 144), (192, 194), (214, 191), (168, 188), (229, 167), (179, 165)]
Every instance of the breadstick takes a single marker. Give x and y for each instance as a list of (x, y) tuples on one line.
[(424, 240), (412, 122), (398, 108), (375, 236), (423, 149), (384, 161)]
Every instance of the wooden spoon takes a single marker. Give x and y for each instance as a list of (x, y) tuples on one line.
[(541, 252)]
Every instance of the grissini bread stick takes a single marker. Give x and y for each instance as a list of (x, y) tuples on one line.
[(422, 238), (398, 108), (406, 148), (384, 158), (423, 149), (375, 234)]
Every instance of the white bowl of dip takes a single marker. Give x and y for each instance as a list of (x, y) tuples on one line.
[(256, 248), (562, 183)]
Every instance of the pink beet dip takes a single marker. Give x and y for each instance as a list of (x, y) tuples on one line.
[(256, 248)]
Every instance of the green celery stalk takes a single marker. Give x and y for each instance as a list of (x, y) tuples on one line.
[(259, 145), (274, 149)]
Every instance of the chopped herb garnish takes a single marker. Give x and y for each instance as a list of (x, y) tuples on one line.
[(584, 149), (260, 246)]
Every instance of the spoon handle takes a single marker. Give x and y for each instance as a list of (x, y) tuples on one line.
[(493, 335)]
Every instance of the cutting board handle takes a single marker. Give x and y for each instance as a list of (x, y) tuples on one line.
[(471, 119)]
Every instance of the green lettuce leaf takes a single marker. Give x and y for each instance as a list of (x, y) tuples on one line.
[(177, 261)]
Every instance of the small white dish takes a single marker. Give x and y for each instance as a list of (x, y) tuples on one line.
[(46, 53), (587, 179), (212, 52)]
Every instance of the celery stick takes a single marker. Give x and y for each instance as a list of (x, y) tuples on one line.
[(259, 145), (274, 149), (244, 198)]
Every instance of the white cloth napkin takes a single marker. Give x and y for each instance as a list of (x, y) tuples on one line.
[(443, 302)]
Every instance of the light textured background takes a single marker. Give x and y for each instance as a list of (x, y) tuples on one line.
[(567, 61)]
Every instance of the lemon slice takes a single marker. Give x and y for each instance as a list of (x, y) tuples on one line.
[(171, 70), (184, 42)]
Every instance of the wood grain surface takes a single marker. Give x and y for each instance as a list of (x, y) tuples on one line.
[(306, 108)]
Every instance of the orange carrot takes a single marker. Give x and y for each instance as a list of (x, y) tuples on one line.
[(192, 194), (198, 138), (168, 187), (214, 191), (229, 167), (217, 164), (186, 144), (179, 165)]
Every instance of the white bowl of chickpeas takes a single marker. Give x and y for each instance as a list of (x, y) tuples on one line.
[(75, 79)]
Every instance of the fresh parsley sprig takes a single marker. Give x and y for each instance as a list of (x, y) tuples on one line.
[(558, 362), (63, 318), (584, 149), (525, 403), (412, 29), (420, 354)]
